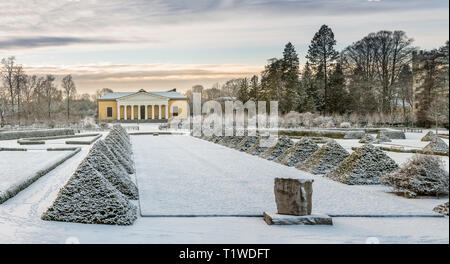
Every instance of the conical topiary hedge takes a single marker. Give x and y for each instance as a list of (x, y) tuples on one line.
[(421, 175), (364, 166), (91, 199), (324, 159), (116, 176), (299, 152), (436, 145), (282, 145), (428, 137)]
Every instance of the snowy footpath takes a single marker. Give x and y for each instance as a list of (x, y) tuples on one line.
[(20, 216)]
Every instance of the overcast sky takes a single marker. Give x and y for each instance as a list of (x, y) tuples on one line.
[(161, 44)]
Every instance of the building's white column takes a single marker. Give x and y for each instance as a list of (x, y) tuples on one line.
[(146, 112), (167, 111), (159, 112), (125, 112), (132, 112), (118, 111), (139, 112), (153, 111)]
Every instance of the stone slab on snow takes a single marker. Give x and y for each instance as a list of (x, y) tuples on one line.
[(293, 196), (247, 143), (280, 219)]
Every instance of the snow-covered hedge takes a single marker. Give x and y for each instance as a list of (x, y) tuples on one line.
[(325, 159), (364, 166), (35, 133), (13, 190), (247, 143), (299, 152), (429, 136), (421, 175), (436, 145), (367, 139), (282, 145), (114, 174), (354, 134), (392, 134), (90, 198), (442, 209)]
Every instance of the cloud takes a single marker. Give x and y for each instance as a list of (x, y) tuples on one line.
[(159, 77), (36, 42)]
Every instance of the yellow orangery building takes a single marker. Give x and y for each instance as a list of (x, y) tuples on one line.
[(142, 105)]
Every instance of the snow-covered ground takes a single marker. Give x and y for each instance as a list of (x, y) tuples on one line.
[(16, 167), (20, 218), (183, 175)]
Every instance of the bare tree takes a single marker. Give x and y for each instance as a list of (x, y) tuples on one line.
[(49, 89), (8, 68), (19, 83), (28, 88), (69, 89)]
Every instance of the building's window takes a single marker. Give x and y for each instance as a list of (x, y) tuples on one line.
[(108, 111), (175, 111)]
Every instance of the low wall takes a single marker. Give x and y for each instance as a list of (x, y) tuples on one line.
[(35, 133)]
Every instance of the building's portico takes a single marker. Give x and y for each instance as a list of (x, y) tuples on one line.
[(142, 105)]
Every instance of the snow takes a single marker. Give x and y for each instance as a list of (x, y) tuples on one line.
[(183, 175), (12, 172), (20, 216)]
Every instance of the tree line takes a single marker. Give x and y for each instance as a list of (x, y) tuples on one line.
[(371, 76), (27, 99)]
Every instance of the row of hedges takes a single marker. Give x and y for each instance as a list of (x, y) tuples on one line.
[(35, 133)]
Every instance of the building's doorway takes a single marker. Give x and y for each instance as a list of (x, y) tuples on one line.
[(142, 111)]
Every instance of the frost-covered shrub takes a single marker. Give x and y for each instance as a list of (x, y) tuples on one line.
[(382, 138), (391, 134), (225, 140), (324, 159), (323, 122), (299, 152), (436, 145), (283, 144), (247, 143), (306, 119), (429, 136), (91, 199), (421, 175), (257, 148), (345, 125), (115, 155), (367, 139), (233, 143), (364, 166), (114, 174), (354, 134), (291, 120), (442, 209)]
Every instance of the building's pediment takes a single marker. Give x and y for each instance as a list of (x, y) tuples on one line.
[(142, 97)]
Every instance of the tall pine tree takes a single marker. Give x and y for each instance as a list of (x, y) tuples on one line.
[(321, 54), (290, 77)]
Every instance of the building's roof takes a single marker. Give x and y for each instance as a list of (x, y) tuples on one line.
[(117, 95)]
